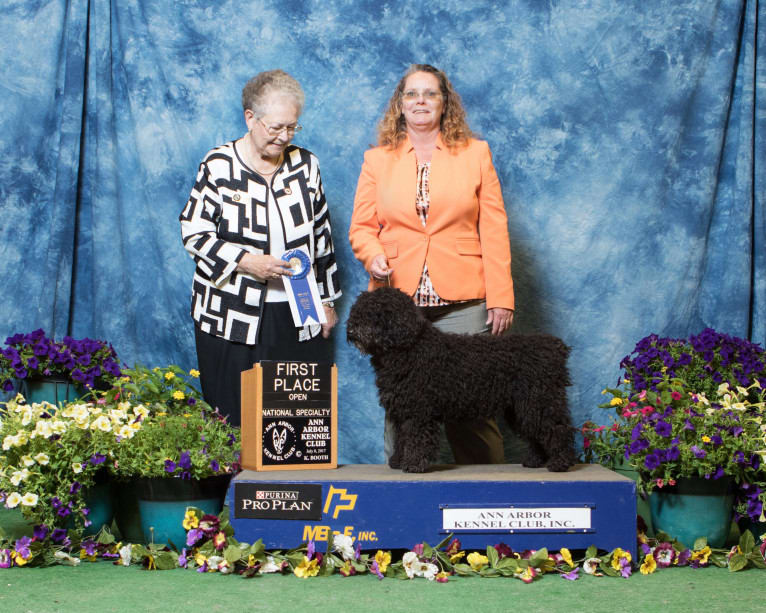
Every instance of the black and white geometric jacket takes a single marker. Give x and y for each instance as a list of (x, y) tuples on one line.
[(227, 216)]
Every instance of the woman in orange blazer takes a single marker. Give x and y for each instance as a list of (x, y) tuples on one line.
[(429, 219)]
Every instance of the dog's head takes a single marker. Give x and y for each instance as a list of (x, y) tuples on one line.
[(384, 320)]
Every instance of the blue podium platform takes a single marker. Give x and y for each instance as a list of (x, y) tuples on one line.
[(482, 505)]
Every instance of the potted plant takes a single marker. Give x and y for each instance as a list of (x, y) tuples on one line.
[(184, 453), (52, 461), (55, 371), (678, 440)]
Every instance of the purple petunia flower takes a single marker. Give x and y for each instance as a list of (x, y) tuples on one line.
[(652, 460), (698, 453), (75, 487), (663, 428), (97, 458), (89, 546), (716, 440), (185, 461), (40, 532), (170, 466), (215, 466), (376, 569), (183, 561), (310, 549), (58, 535)]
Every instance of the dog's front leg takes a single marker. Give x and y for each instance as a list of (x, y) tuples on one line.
[(419, 442)]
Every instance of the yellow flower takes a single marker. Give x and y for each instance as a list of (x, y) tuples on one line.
[(455, 557), (383, 559), (190, 520), (618, 555), (29, 499), (169, 375), (477, 561), (567, 556), (616, 401), (13, 500), (84, 555), (307, 568), (178, 395), (194, 373), (649, 565), (702, 554), (18, 559), (706, 439), (200, 559)]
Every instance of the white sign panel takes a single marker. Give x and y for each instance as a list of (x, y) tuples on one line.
[(561, 519)]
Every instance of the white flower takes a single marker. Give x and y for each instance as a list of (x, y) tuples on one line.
[(13, 500), (125, 554), (590, 566), (429, 571), (26, 416), (29, 499), (19, 475), (42, 459), (77, 467), (270, 566), (58, 426), (101, 423), (141, 411), (42, 428), (723, 388), (214, 562), (65, 558), (8, 442), (27, 461), (411, 563), (345, 545), (126, 431), (117, 415)]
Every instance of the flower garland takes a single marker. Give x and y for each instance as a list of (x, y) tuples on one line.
[(211, 547)]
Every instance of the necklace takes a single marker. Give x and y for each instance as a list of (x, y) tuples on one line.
[(255, 158)]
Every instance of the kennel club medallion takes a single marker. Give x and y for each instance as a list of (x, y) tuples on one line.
[(278, 501)]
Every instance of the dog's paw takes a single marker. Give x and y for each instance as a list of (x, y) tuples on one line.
[(533, 460), (415, 467), (394, 462), (559, 465)]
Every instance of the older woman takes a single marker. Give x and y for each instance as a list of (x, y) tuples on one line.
[(429, 219), (255, 198)]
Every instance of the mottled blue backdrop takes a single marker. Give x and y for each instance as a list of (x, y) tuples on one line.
[(628, 136)]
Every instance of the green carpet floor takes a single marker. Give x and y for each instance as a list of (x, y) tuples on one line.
[(101, 588)]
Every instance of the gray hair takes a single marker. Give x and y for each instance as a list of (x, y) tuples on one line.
[(258, 89)]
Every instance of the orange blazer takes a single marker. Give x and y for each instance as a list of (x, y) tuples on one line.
[(465, 240)]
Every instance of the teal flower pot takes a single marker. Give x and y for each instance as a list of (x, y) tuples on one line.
[(127, 514), (98, 501), (693, 508), (163, 502), (50, 390)]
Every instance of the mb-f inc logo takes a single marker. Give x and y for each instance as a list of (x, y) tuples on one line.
[(342, 497), (279, 440), (338, 499)]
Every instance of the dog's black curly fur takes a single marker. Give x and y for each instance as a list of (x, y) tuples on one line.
[(425, 376)]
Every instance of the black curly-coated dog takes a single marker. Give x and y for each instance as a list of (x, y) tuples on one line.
[(425, 376)]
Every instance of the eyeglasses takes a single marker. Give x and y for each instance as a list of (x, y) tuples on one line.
[(428, 94), (277, 130)]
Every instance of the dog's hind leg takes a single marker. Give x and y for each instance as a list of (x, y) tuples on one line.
[(561, 445), (395, 461)]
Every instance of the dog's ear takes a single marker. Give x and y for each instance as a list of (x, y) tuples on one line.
[(402, 322)]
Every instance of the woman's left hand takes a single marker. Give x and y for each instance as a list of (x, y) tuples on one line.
[(499, 320), (332, 319)]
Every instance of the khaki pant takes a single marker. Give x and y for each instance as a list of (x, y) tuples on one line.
[(476, 441)]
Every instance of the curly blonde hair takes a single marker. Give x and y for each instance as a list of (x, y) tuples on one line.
[(454, 127)]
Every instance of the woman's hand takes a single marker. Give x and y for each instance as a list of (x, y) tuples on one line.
[(264, 266), (332, 319), (499, 320), (379, 268)]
